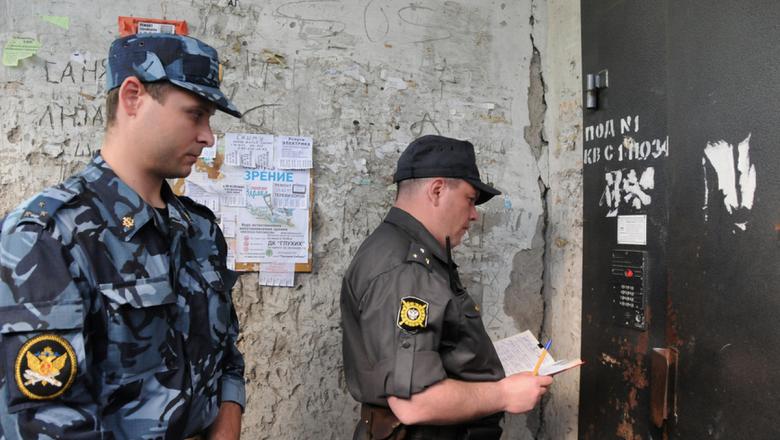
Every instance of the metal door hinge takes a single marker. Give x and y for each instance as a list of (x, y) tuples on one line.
[(594, 82)]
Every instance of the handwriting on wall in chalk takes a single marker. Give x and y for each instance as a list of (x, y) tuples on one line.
[(55, 115), (74, 73)]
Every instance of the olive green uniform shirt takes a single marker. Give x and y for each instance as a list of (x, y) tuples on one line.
[(408, 322)]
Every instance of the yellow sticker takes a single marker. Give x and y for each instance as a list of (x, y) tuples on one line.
[(413, 314), (45, 367)]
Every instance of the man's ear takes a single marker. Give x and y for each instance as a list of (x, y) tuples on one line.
[(434, 190), (131, 93)]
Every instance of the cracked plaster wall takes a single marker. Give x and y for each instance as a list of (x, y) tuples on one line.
[(362, 78)]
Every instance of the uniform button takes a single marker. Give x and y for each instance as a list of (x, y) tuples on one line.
[(406, 344)]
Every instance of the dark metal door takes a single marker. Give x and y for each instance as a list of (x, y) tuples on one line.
[(625, 163), (723, 245), (703, 80)]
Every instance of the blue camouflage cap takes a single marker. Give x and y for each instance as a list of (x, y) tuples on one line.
[(184, 61)]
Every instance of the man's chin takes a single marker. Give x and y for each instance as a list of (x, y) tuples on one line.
[(179, 174), (463, 237), (456, 240)]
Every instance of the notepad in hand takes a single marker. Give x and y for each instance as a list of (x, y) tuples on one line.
[(520, 352)]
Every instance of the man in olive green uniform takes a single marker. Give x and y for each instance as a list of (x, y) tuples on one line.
[(416, 353)]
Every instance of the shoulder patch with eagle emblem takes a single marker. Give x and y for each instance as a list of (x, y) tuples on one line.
[(45, 367), (412, 314)]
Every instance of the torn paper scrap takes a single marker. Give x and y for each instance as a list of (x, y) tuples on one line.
[(277, 274), (18, 49), (57, 20)]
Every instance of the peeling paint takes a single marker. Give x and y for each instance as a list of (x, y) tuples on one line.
[(609, 360), (735, 183)]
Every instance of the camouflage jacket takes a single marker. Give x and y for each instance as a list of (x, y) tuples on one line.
[(115, 321)]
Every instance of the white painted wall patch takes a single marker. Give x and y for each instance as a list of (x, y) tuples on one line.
[(736, 184)]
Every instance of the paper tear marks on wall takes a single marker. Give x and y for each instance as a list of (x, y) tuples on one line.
[(735, 184), (626, 188)]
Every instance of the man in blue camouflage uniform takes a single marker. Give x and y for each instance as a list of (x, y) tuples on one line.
[(116, 316)]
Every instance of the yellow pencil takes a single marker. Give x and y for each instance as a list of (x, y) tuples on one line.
[(541, 357)]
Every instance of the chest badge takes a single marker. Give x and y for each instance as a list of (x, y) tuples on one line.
[(413, 314), (127, 222), (45, 367)]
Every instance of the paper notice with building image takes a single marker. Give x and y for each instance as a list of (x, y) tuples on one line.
[(520, 352)]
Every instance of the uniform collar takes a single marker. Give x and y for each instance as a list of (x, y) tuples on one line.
[(416, 230), (127, 211)]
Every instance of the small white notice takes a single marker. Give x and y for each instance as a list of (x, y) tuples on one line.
[(280, 274), (520, 353), (202, 196), (155, 28), (632, 229), (227, 222), (231, 258), (249, 150), (293, 152)]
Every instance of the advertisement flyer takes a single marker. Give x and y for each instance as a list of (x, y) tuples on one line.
[(259, 188)]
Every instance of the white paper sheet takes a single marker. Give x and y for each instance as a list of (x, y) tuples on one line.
[(520, 353), (249, 150), (277, 274), (293, 152), (202, 196)]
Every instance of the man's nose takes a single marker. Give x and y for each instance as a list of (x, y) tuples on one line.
[(206, 136)]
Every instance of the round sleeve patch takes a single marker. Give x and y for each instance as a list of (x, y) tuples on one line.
[(45, 367), (413, 314)]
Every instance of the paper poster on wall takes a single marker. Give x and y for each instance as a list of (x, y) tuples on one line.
[(264, 210), (293, 152), (632, 229), (266, 233)]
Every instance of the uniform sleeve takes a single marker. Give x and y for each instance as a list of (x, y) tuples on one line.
[(232, 384), (401, 319), (45, 385)]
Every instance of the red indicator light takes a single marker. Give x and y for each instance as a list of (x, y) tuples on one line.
[(629, 273)]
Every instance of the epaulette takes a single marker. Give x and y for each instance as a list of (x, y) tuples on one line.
[(42, 207), (418, 254), (197, 207)]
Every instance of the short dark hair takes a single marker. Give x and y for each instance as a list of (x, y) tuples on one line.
[(409, 186), (158, 90)]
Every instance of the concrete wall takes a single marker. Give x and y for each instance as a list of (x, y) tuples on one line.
[(563, 238), (362, 78)]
